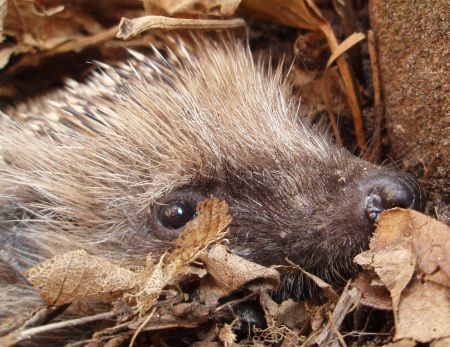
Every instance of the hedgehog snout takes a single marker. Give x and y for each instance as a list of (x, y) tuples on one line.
[(389, 190)]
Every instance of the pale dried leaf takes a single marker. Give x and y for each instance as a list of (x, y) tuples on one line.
[(402, 343), (395, 267), (270, 307), (228, 272), (445, 342), (424, 313), (129, 28), (344, 46), (293, 315), (226, 335), (295, 13), (431, 241), (40, 27), (224, 8), (3, 12), (155, 281), (405, 243), (374, 293), (208, 227), (76, 275), (391, 255), (7, 52)]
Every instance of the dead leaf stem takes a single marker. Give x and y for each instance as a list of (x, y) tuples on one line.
[(336, 330), (129, 28), (144, 323), (378, 107), (19, 336)]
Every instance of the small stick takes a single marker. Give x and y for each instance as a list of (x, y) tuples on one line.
[(144, 323), (328, 290), (19, 336), (336, 330), (335, 127), (129, 28), (378, 113), (346, 303), (38, 317)]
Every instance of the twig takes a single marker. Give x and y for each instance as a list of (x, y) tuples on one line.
[(37, 317), (235, 302), (329, 292), (344, 46), (135, 335), (335, 127), (347, 301), (129, 28), (336, 330), (19, 336), (378, 113)]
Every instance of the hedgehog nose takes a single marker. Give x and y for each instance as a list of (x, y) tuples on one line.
[(390, 190)]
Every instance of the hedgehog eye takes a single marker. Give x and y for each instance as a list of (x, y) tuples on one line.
[(176, 214)]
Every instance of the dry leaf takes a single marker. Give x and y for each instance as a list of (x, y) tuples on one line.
[(129, 28), (289, 313), (208, 227), (226, 335), (76, 275), (175, 8), (401, 343), (409, 252), (3, 12), (344, 46), (7, 52), (391, 256), (270, 307), (43, 29), (293, 13), (424, 313), (373, 292), (431, 241), (228, 272)]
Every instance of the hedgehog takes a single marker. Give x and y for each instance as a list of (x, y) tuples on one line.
[(116, 165)]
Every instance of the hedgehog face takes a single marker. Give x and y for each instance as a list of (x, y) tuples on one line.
[(319, 216), (119, 164)]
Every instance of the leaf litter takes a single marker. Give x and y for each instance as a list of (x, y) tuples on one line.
[(408, 257)]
